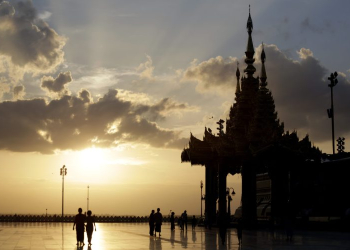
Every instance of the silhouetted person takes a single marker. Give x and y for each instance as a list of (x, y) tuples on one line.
[(172, 221), (184, 220), (194, 222), (79, 222), (151, 223), (158, 218), (179, 222), (90, 225), (239, 231)]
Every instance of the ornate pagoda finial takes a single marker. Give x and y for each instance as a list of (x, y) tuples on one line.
[(263, 76), (249, 23), (238, 88), (263, 56), (250, 48)]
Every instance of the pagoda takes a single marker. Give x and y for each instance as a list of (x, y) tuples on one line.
[(254, 142)]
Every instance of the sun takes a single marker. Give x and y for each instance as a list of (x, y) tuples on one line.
[(92, 158)]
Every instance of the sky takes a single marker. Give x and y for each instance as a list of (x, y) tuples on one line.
[(113, 89)]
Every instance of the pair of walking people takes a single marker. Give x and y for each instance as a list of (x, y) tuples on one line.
[(79, 222), (155, 223)]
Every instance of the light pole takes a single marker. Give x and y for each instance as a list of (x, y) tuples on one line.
[(333, 79), (229, 198), (87, 198), (63, 172), (201, 183)]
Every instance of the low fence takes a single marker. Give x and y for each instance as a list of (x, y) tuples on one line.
[(70, 218)]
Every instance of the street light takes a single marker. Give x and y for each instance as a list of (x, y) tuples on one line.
[(333, 79), (63, 172), (229, 198), (88, 198), (201, 185)]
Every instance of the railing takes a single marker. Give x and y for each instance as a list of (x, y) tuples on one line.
[(70, 218)]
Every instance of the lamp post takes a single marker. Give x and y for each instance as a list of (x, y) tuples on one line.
[(63, 172), (201, 185), (87, 198), (333, 79), (229, 198)]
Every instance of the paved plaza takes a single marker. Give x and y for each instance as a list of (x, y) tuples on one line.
[(45, 236)]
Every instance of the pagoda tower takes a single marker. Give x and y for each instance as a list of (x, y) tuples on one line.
[(265, 128), (244, 114)]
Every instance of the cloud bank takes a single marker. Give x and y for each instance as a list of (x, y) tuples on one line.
[(75, 122)]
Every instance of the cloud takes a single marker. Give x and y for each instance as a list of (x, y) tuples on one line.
[(85, 96), (18, 92), (305, 53), (146, 69), (162, 109), (57, 85), (26, 40), (215, 72), (76, 122), (45, 15), (300, 89), (306, 25)]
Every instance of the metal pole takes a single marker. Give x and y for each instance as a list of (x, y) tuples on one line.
[(333, 79), (88, 198), (201, 199), (62, 192), (332, 107), (63, 172)]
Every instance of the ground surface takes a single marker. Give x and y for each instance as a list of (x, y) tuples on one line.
[(40, 236)]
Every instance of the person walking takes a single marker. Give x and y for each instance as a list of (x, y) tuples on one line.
[(184, 220), (158, 218), (172, 221), (194, 222), (90, 225), (151, 223), (79, 223)]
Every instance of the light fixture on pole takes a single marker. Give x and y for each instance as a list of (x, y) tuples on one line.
[(333, 79), (63, 172), (229, 199)]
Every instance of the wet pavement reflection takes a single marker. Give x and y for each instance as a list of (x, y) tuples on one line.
[(40, 236)]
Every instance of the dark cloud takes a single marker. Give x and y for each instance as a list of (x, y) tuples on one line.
[(216, 71), (307, 25), (85, 95), (77, 122), (300, 89), (57, 85), (161, 109), (27, 40), (18, 91)]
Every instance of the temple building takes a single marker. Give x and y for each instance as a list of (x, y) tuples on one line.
[(255, 145)]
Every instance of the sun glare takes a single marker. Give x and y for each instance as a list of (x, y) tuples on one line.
[(92, 165), (91, 158)]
